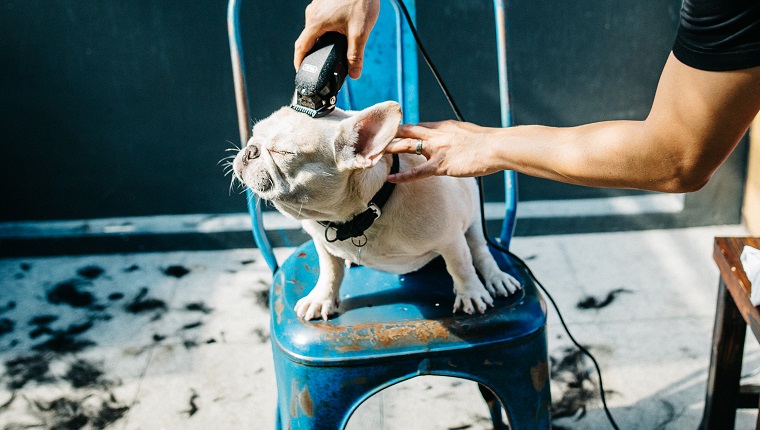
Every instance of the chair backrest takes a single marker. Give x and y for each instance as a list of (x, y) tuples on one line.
[(389, 73), (390, 66)]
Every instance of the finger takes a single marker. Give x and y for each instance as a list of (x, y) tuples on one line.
[(305, 42), (421, 171), (433, 125), (402, 146), (413, 131), (445, 125), (355, 54)]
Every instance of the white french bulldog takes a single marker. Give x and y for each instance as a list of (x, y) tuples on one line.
[(325, 171)]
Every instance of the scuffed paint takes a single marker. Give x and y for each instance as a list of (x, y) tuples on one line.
[(277, 296), (293, 399), (278, 308), (361, 380), (307, 405), (348, 348), (300, 399), (539, 374)]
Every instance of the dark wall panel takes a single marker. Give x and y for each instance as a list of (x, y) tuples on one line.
[(121, 108)]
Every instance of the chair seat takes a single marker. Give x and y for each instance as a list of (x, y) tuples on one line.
[(383, 315)]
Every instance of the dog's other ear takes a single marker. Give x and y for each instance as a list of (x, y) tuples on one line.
[(364, 136)]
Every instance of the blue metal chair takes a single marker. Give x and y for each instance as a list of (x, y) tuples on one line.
[(394, 327)]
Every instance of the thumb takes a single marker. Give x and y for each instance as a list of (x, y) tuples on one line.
[(355, 54)]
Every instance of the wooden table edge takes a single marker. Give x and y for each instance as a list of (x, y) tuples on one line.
[(726, 253)]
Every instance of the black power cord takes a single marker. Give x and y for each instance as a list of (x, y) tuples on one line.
[(492, 242)]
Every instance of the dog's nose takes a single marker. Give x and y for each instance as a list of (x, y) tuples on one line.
[(251, 152)]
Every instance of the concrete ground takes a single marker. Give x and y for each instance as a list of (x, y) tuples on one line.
[(180, 340)]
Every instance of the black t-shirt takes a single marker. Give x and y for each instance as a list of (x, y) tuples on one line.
[(719, 34)]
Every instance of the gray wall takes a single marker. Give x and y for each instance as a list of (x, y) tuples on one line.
[(121, 108)]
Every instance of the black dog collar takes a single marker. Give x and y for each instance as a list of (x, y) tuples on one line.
[(355, 227)]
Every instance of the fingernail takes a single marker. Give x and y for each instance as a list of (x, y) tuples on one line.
[(355, 72)]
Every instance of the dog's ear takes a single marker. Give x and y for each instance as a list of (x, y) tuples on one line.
[(364, 135)]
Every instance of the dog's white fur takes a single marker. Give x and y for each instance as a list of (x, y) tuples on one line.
[(330, 168)]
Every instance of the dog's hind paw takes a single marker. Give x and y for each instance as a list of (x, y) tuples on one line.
[(310, 308), (501, 284)]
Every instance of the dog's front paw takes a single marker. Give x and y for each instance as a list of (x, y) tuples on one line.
[(501, 284), (472, 298), (316, 304)]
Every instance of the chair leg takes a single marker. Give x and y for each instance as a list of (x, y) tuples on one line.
[(308, 407), (494, 407), (277, 418), (725, 364), (527, 408), (517, 377), (323, 398)]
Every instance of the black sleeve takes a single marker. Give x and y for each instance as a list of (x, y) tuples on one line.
[(719, 34)]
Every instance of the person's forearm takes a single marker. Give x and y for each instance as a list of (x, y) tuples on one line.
[(605, 154), (696, 120)]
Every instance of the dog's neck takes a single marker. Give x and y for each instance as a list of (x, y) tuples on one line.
[(363, 185)]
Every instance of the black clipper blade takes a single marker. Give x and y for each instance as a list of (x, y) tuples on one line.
[(321, 75)]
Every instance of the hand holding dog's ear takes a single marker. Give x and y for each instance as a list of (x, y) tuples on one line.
[(452, 148), (365, 135)]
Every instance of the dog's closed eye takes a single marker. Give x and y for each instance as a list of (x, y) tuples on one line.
[(280, 152)]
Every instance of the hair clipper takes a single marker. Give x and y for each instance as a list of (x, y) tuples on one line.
[(321, 75)]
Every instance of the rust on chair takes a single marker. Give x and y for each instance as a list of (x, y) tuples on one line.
[(278, 305), (540, 374), (301, 399), (384, 335)]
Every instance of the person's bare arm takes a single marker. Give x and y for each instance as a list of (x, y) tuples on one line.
[(354, 18), (696, 120)]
